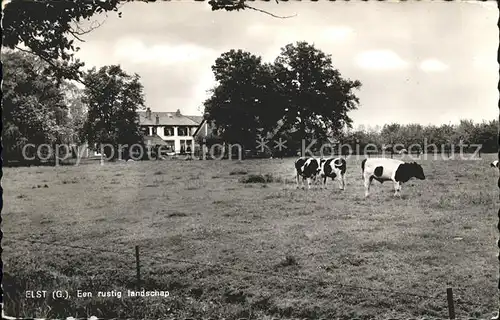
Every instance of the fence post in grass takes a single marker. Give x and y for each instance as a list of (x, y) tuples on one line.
[(138, 267), (451, 306)]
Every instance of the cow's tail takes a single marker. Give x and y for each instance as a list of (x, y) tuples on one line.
[(363, 167)]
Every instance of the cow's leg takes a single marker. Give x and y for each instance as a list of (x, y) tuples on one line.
[(323, 182), (314, 180), (342, 182), (397, 189), (304, 182), (309, 183), (298, 180), (368, 182)]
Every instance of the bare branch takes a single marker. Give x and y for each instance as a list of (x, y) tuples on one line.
[(268, 13), (75, 34), (77, 30)]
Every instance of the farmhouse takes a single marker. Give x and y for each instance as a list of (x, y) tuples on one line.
[(171, 129)]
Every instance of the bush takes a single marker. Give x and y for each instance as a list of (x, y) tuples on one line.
[(253, 178), (238, 172), (258, 178)]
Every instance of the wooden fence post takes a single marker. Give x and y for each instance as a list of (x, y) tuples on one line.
[(138, 267), (451, 306)]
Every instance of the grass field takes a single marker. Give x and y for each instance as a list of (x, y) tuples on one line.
[(441, 233)]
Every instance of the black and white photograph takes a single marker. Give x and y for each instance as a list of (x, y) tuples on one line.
[(232, 159)]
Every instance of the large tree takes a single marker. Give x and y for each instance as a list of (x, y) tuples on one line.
[(301, 95), (317, 97), (113, 102), (242, 105), (33, 106)]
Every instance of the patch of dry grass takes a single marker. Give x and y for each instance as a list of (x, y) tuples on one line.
[(441, 233)]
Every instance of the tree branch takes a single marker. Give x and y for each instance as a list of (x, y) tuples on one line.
[(47, 60), (76, 34), (268, 13), (79, 31)]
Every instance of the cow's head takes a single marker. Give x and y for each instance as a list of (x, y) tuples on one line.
[(341, 165), (408, 170), (416, 170)]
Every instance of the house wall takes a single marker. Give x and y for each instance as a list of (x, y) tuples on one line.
[(179, 141)]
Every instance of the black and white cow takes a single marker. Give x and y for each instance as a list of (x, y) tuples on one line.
[(332, 168), (308, 168), (495, 164), (384, 169)]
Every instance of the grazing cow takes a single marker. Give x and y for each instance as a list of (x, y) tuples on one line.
[(495, 164), (383, 169), (332, 168), (308, 169)]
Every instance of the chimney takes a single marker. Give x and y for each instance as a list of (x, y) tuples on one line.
[(148, 113), (178, 113), (157, 119)]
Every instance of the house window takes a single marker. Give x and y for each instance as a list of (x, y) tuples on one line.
[(168, 131), (145, 131), (154, 131), (170, 145), (183, 146), (181, 131)]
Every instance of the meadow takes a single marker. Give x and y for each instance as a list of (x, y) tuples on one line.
[(225, 247)]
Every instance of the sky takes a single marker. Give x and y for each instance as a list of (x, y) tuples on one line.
[(419, 62)]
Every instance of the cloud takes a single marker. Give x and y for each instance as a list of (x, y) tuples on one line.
[(336, 34), (135, 51), (380, 60), (256, 29), (433, 65), (395, 49), (200, 92)]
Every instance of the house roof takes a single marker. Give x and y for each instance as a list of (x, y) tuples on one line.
[(197, 119), (169, 118), (204, 122), (154, 140), (199, 127)]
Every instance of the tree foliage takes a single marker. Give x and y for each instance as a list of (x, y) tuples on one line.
[(317, 98), (444, 137), (113, 102), (33, 106), (49, 29), (300, 92), (76, 111), (240, 105)]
